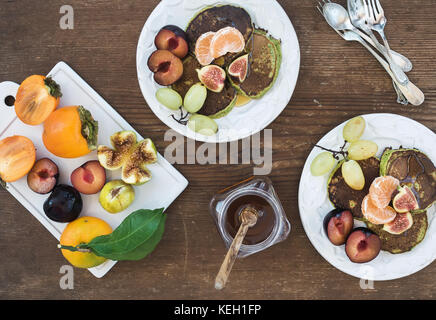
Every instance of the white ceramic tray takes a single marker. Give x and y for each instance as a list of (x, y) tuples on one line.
[(387, 130), (242, 121), (77, 92)]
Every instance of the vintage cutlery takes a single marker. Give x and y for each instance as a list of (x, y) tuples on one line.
[(339, 13), (411, 92), (363, 16)]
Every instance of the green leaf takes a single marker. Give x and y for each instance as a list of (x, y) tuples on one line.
[(134, 239)]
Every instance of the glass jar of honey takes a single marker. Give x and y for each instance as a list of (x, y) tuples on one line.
[(257, 192)]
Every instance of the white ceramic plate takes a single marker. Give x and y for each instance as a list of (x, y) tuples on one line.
[(387, 130), (77, 92), (242, 121)]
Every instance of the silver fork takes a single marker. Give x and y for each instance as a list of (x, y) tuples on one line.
[(406, 93), (376, 20)]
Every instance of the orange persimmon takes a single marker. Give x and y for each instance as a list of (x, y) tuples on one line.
[(70, 132), (17, 157), (37, 97)]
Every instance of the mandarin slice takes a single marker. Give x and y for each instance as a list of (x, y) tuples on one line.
[(228, 39), (202, 48), (377, 215), (381, 190)]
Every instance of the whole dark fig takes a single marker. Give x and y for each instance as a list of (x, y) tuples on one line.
[(64, 204)]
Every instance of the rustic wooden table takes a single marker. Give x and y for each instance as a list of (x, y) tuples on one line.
[(337, 81)]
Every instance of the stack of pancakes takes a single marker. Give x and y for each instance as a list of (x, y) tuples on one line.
[(264, 59), (412, 168)]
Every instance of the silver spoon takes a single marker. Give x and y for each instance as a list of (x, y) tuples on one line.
[(339, 19), (411, 92)]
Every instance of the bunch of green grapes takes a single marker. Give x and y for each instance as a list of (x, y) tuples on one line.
[(357, 150), (193, 102)]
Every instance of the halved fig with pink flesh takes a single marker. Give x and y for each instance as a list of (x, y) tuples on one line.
[(402, 223), (405, 201), (239, 68), (213, 77)]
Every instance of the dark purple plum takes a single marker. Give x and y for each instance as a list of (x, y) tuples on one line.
[(173, 40), (64, 204), (177, 31), (338, 224), (362, 245), (43, 177)]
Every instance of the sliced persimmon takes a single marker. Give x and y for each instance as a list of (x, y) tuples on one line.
[(37, 97), (17, 157)]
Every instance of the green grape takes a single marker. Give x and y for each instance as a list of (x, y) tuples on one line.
[(202, 124), (362, 149), (195, 98), (353, 175), (322, 164), (169, 98), (354, 129)]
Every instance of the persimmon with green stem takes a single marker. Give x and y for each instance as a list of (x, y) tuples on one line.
[(37, 97)]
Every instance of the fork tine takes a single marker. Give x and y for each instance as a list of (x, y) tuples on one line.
[(379, 7), (371, 14), (374, 9)]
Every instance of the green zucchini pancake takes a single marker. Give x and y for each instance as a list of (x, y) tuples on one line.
[(342, 196), (216, 18), (407, 240), (264, 62), (414, 169)]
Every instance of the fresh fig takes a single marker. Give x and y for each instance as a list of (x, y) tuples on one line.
[(239, 68), (405, 201), (402, 223), (213, 77)]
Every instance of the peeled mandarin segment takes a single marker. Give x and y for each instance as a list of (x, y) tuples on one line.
[(202, 48), (376, 215), (381, 190), (228, 39)]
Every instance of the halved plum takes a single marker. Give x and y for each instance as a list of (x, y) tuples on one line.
[(43, 177), (362, 245), (173, 39), (167, 68), (338, 224), (89, 178)]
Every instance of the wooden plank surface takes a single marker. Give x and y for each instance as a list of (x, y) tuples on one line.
[(337, 81)]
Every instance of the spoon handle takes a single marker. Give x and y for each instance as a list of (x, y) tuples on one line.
[(412, 93), (229, 260), (396, 70), (404, 62)]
